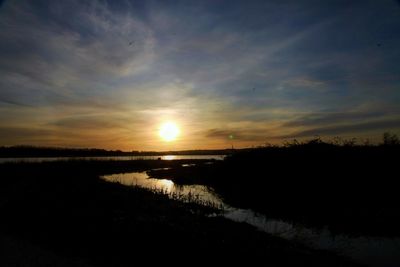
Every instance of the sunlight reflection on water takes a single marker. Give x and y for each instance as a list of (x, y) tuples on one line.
[(169, 157), (195, 192)]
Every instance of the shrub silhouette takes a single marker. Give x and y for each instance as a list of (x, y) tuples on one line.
[(390, 139)]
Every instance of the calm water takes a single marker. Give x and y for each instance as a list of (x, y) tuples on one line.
[(369, 251), (165, 157), (141, 179)]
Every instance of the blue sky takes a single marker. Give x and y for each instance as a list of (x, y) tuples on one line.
[(108, 73)]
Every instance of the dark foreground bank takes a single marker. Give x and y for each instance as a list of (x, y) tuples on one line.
[(62, 214), (348, 189)]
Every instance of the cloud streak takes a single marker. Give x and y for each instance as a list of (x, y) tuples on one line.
[(383, 125)]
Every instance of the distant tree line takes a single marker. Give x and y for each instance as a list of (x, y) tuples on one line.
[(34, 151), (389, 139)]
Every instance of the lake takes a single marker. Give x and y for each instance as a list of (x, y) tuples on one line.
[(164, 157)]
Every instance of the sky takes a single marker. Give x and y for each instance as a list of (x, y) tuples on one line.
[(107, 74)]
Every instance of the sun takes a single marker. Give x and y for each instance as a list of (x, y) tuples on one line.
[(169, 131)]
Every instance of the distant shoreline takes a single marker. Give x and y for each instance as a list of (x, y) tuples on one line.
[(50, 152)]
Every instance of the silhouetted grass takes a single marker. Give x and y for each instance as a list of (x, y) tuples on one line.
[(349, 188), (64, 212), (192, 199)]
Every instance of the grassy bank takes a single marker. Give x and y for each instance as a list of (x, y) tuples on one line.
[(62, 214), (350, 189)]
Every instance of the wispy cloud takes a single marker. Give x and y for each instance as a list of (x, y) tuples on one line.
[(253, 136), (327, 118), (355, 129)]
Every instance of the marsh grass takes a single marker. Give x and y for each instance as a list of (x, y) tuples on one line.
[(347, 186), (66, 209), (189, 198)]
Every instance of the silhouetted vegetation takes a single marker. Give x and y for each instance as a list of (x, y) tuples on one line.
[(32, 151), (62, 214), (390, 139), (350, 188)]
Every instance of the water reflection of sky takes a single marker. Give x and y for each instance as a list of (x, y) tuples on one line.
[(196, 192), (123, 158)]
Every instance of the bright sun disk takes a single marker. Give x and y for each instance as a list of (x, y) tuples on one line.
[(169, 131)]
